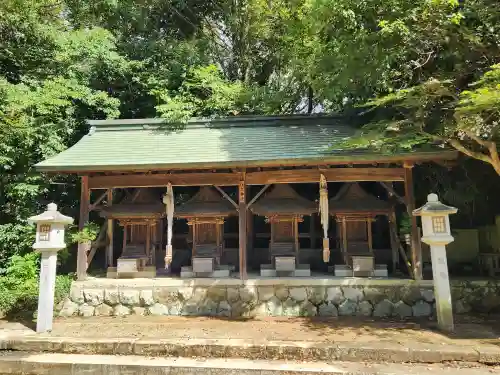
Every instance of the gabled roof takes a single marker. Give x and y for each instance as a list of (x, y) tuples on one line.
[(148, 144), (282, 199), (207, 202), (146, 204), (351, 198)]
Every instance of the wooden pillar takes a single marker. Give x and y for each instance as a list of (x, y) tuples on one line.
[(193, 250), (296, 235), (109, 232), (312, 232), (125, 226), (81, 265), (218, 229), (344, 240), (370, 234), (250, 233), (148, 243), (394, 245), (416, 251), (242, 211)]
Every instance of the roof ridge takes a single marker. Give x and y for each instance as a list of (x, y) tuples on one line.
[(223, 122)]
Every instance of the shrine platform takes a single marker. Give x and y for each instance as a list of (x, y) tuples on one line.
[(253, 280), (318, 295)]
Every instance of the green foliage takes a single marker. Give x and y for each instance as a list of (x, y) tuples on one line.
[(19, 285), (437, 81), (89, 233), (404, 224), (203, 93)]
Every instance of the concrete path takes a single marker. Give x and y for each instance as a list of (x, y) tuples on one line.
[(246, 349), (76, 364), (281, 339)]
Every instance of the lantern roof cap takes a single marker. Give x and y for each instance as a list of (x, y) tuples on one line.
[(434, 207), (51, 216)]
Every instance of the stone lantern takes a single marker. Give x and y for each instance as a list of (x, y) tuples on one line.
[(437, 234), (50, 227)]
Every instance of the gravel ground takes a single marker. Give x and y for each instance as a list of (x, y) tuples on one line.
[(468, 331)]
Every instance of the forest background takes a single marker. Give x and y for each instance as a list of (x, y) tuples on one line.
[(409, 73)]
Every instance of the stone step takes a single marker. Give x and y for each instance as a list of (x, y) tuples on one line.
[(76, 364), (266, 350)]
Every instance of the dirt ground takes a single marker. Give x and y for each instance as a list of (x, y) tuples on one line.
[(469, 331)]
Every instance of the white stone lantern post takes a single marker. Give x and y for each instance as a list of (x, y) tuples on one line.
[(49, 240), (437, 234)]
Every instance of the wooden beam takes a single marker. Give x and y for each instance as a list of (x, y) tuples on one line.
[(242, 212), (154, 180), (252, 178), (331, 174), (257, 195), (109, 233), (416, 251), (81, 265), (224, 194), (392, 192)]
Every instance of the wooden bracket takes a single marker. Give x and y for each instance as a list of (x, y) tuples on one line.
[(224, 194), (258, 195), (93, 206), (97, 243), (391, 191)]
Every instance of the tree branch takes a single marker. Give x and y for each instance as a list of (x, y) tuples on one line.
[(455, 143), (479, 140), (493, 159)]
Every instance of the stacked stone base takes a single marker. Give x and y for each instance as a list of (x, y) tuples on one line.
[(401, 299)]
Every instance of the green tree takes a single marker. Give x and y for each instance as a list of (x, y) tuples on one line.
[(45, 96)]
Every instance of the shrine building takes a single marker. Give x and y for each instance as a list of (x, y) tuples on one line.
[(243, 201)]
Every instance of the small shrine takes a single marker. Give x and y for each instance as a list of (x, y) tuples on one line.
[(283, 209), (139, 216), (354, 211), (205, 214)]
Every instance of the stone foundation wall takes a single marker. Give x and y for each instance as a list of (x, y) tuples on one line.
[(398, 301)]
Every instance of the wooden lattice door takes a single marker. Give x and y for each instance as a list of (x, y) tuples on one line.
[(283, 231), (206, 233), (137, 234), (357, 236)]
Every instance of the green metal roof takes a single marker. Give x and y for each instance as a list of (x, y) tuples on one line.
[(144, 144)]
